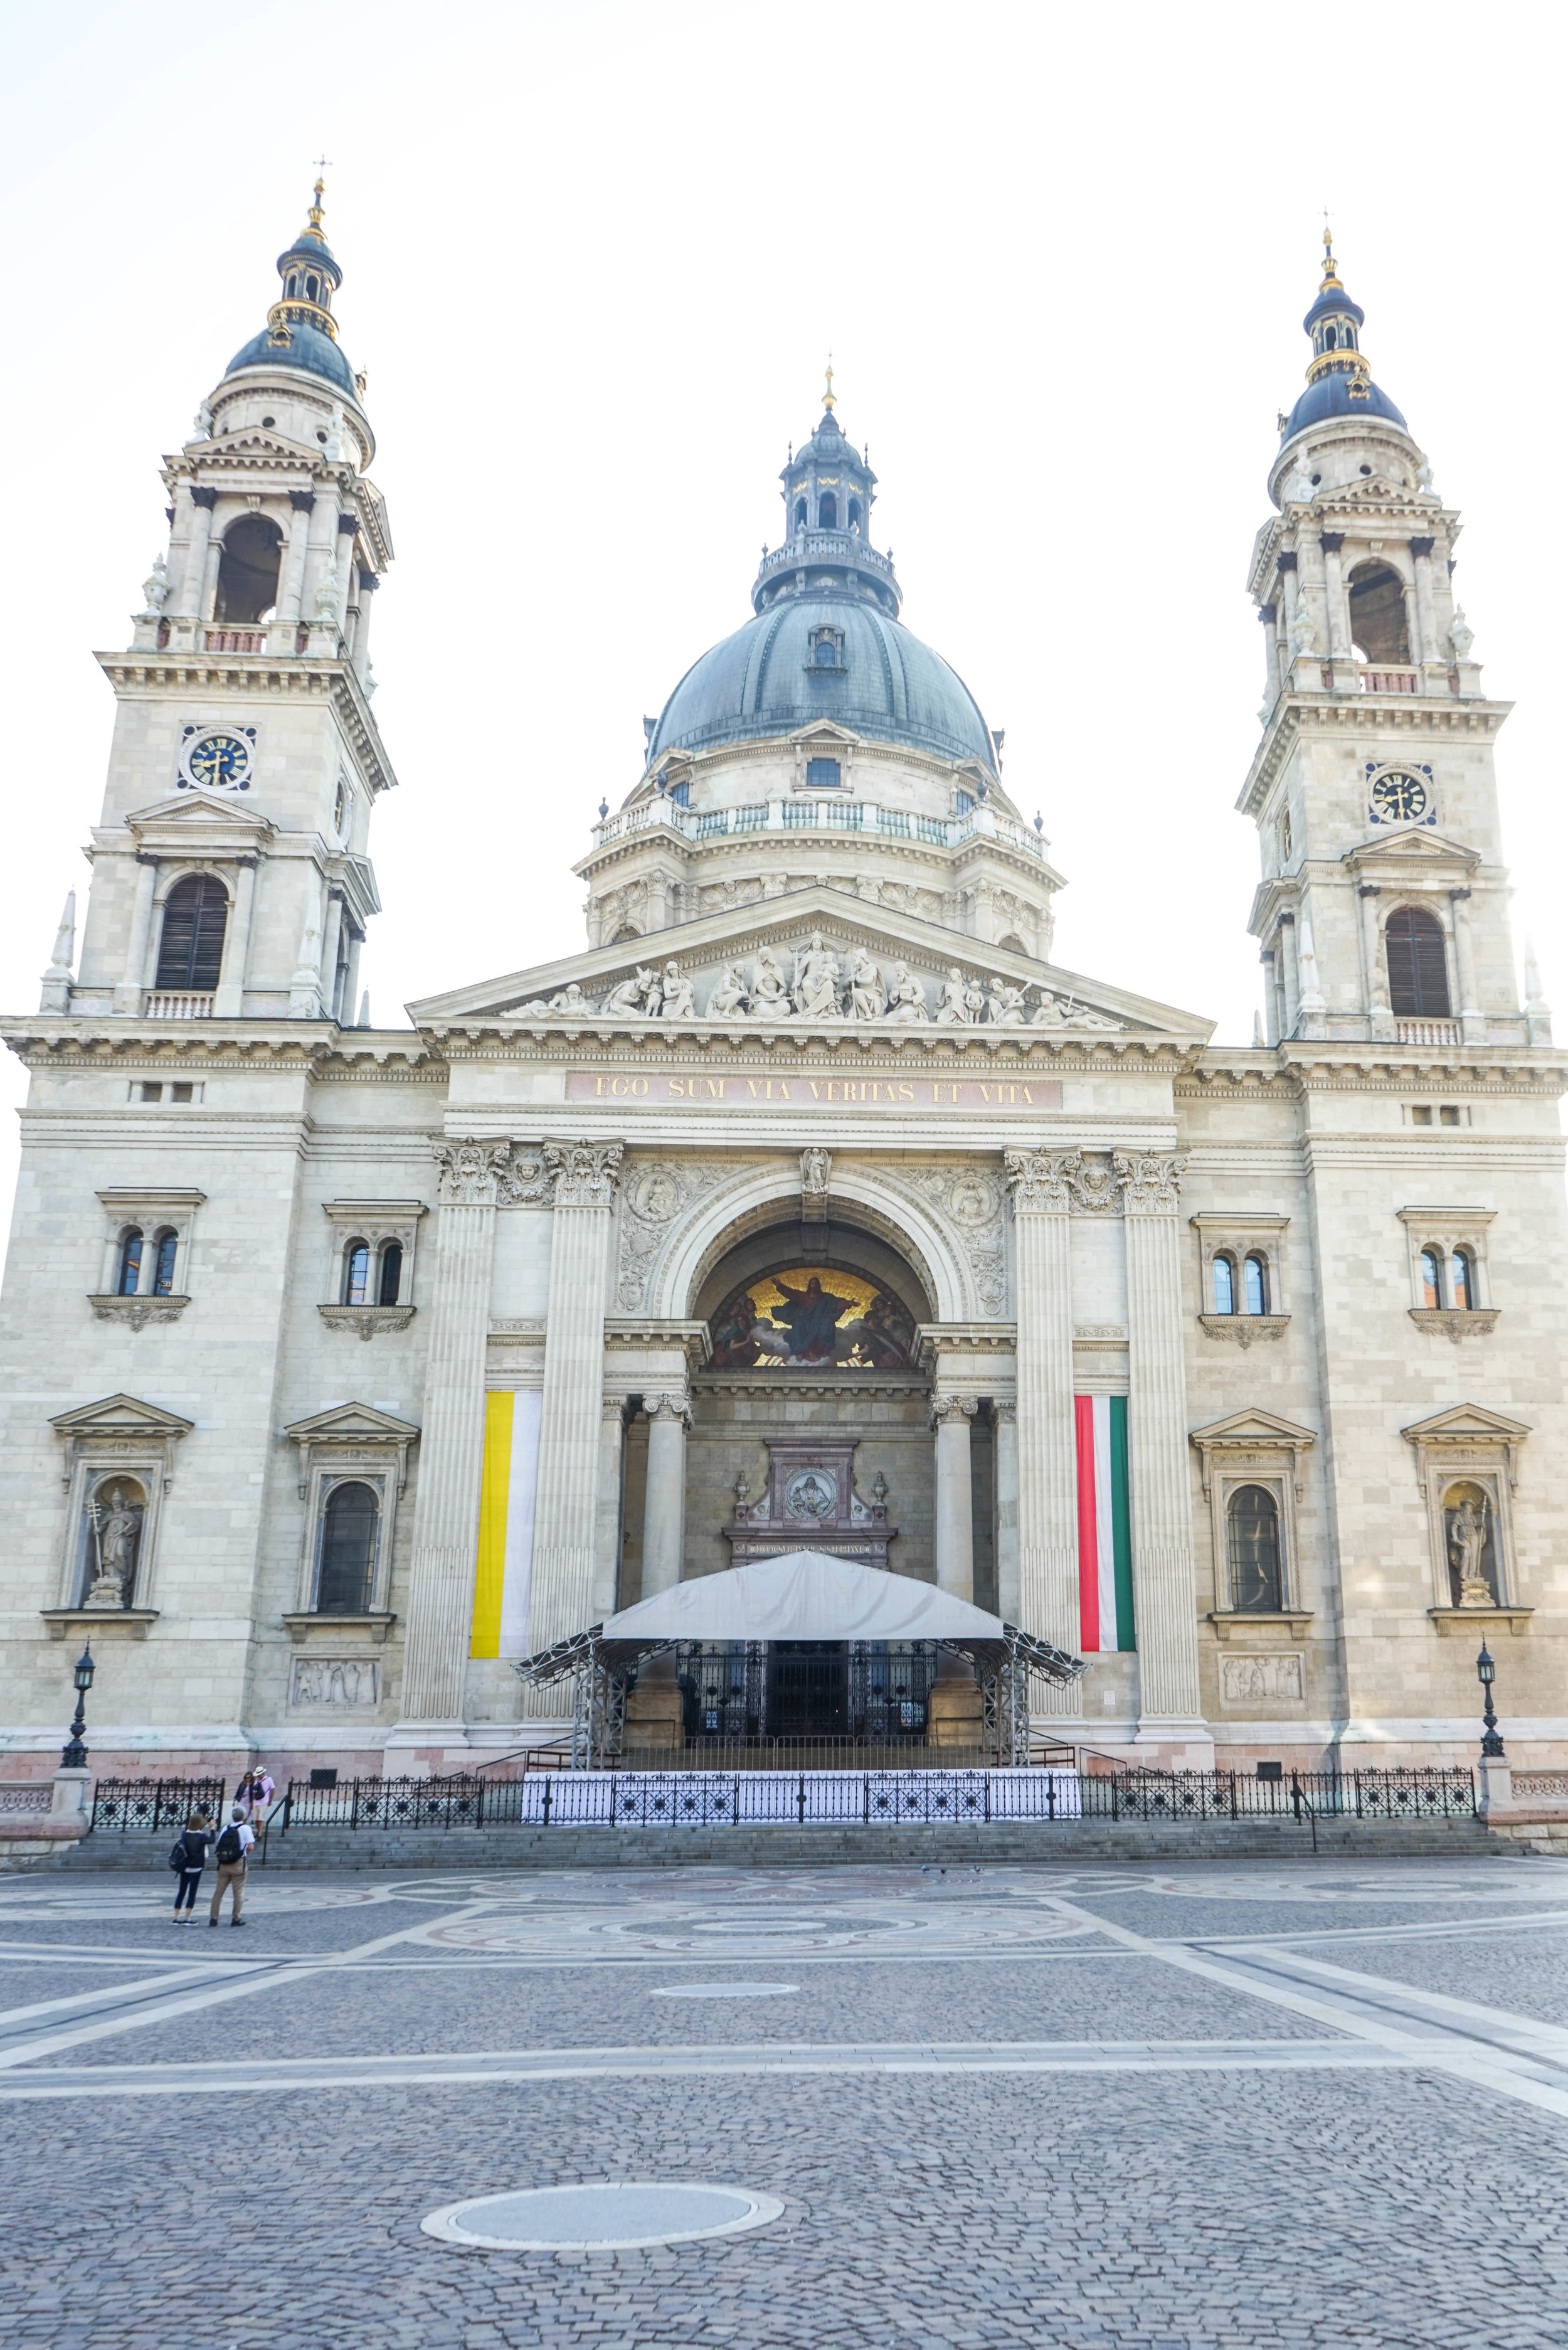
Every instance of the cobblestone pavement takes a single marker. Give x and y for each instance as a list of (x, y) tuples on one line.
[(1227, 2104)]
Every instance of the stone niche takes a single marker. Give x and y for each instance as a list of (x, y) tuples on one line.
[(809, 1503)]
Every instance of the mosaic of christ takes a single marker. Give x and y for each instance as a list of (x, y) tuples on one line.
[(812, 1319)]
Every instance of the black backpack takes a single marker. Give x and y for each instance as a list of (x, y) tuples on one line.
[(178, 1857), (230, 1848)]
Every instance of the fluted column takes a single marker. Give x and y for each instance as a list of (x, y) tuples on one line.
[(129, 986), (229, 1002), (608, 1532), (664, 1509), (1472, 1019), (451, 1441), (302, 504), (950, 1417), (202, 502), (1379, 1019), (1331, 542), (1164, 1600), (1004, 1417), (586, 1175), (1047, 1466)]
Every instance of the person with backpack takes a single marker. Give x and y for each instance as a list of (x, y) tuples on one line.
[(233, 1846), (190, 1857)]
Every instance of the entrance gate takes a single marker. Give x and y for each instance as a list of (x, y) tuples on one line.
[(874, 1692)]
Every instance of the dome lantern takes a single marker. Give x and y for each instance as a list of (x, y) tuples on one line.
[(300, 330), (1339, 379)]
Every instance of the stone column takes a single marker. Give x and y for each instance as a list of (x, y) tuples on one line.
[(302, 504), (1472, 1019), (1269, 615), (329, 969), (128, 987), (607, 1528), (1005, 1417), (1331, 542), (368, 583), (228, 1002), (1290, 988), (1379, 1018), (1290, 589), (1047, 1460), (1428, 652), (452, 1442), (1163, 1593), (202, 502), (664, 1509), (1273, 1015), (950, 1417), (586, 1175)]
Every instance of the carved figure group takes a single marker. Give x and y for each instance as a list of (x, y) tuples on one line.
[(570, 998), (822, 985)]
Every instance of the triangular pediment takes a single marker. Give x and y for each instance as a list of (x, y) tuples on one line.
[(1253, 1427), (122, 1415), (1467, 1423), (1407, 844), (599, 988), (352, 1423), (825, 730), (211, 816)]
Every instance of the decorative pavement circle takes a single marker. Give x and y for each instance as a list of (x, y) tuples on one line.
[(683, 1930), (725, 1990), (603, 2216)]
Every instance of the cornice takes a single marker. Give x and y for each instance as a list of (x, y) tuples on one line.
[(1367, 713), (87, 1041), (698, 1045), (1300, 1069)]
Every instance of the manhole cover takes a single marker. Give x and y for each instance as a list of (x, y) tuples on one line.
[(609, 2216), (725, 1990)]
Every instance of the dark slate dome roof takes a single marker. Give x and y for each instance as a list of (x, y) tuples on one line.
[(1330, 397), (307, 348), (761, 682)]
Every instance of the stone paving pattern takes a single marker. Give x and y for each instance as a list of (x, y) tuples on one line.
[(1403, 2209)]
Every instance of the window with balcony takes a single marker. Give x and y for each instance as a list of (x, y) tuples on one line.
[(1417, 965), (248, 572), (1377, 622)]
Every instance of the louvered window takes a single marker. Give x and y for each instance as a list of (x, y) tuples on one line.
[(1417, 965), (191, 949)]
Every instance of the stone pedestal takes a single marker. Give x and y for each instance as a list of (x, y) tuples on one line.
[(72, 1800), (1494, 1786)]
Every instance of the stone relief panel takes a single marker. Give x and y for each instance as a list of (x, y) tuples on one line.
[(1263, 1680), (334, 1684), (657, 1196), (970, 1202)]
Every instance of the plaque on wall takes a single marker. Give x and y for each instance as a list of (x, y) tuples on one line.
[(809, 1503)]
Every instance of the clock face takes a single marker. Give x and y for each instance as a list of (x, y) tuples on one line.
[(1398, 797), (220, 761)]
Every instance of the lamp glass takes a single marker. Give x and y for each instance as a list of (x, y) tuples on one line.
[(1486, 1671), (85, 1669)]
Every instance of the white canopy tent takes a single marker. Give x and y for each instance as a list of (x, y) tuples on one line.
[(805, 1595)]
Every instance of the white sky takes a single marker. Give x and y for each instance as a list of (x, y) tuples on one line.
[(595, 257)]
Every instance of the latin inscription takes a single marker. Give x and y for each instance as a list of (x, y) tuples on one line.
[(663, 1089)]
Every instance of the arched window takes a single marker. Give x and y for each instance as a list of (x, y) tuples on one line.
[(163, 1265), (391, 1274), (348, 1528), (1377, 614), (247, 571), (800, 514), (191, 946), (129, 1278), (1329, 339), (852, 514), (1417, 965), (825, 652), (1224, 1285), (1431, 1277), (827, 510), (1255, 1285), (356, 1274), (312, 288), (1461, 1280), (1252, 1517)]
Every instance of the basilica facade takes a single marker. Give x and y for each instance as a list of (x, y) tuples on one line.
[(812, 1202)]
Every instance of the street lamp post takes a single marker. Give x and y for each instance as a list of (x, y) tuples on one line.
[(1491, 1744), (74, 1756)]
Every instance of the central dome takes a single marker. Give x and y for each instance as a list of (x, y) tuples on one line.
[(765, 681)]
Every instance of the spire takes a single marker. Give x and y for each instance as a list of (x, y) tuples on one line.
[(1330, 274), (57, 995), (1335, 323), (310, 275), (828, 402)]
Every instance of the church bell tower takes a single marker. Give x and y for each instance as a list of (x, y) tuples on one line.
[(231, 874), (1383, 910)]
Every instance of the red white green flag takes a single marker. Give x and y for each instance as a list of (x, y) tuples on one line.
[(1104, 1524)]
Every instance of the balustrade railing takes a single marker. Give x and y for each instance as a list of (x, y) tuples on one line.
[(236, 640), (25, 1798), (1427, 1032), (179, 1005), (819, 813), (1390, 680)]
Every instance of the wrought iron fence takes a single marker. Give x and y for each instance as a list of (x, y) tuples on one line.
[(761, 1795), (118, 1805)]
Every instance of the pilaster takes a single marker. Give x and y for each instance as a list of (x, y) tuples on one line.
[(586, 1176), (1047, 1470)]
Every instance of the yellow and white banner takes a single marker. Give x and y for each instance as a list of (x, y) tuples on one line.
[(506, 1524)]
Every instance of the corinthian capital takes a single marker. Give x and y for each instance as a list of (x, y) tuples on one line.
[(1150, 1181), (1037, 1181), (469, 1173), (585, 1174)]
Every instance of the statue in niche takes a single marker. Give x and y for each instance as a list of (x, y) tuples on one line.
[(115, 1539), (817, 981), (728, 998), (867, 998), (679, 998), (906, 998), (770, 996), (952, 1008), (1006, 1008), (1468, 1535)]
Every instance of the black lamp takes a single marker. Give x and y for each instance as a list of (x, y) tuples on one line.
[(1491, 1744), (73, 1756)]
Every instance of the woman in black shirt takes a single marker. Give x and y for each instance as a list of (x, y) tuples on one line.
[(196, 1839)]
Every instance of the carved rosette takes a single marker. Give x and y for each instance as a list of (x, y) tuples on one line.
[(584, 1174), (469, 1173), (1150, 1181)]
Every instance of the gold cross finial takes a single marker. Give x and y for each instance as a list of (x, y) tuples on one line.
[(828, 402), (1330, 274), (323, 164)]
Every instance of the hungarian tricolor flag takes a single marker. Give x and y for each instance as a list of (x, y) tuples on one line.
[(1105, 1532)]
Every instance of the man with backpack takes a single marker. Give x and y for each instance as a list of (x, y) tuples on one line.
[(233, 1846), (190, 1857)]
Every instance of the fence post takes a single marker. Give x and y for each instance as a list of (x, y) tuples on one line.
[(353, 1805), (801, 1799), (549, 1782), (1296, 1797)]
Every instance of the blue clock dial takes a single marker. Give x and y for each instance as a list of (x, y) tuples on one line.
[(219, 761), (1398, 797)]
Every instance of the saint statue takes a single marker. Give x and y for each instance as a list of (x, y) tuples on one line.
[(727, 1000), (817, 981), (953, 1009), (906, 997), (1006, 1009), (770, 996), (1467, 1552), (626, 1000), (157, 587), (116, 1531), (867, 996), (679, 1000)]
